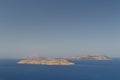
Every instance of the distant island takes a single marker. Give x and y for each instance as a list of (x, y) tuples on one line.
[(61, 61), (46, 61), (88, 57)]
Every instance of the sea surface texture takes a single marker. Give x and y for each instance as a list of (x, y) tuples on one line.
[(83, 70)]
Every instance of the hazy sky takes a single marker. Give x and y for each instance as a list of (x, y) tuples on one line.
[(59, 28)]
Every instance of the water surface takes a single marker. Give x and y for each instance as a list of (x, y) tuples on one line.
[(83, 70)]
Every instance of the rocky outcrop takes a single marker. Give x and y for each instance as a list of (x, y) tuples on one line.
[(88, 57), (46, 62)]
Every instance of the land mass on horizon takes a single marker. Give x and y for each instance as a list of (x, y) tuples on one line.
[(61, 61), (46, 61), (88, 57)]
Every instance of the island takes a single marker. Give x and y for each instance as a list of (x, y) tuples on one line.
[(88, 57), (46, 61), (61, 61)]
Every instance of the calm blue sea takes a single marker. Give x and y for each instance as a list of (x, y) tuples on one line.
[(83, 70)]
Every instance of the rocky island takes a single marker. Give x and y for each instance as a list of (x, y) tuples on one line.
[(61, 61), (46, 61), (89, 57)]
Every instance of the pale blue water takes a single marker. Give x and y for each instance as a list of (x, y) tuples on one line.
[(83, 70)]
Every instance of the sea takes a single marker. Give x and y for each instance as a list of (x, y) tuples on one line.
[(82, 70)]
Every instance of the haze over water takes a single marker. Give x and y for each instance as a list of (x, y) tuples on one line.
[(58, 28)]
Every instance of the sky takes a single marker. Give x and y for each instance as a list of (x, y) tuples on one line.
[(58, 28)]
